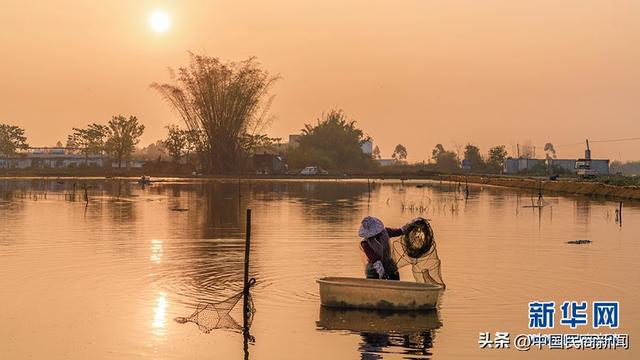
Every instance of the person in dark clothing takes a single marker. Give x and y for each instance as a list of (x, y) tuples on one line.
[(375, 244)]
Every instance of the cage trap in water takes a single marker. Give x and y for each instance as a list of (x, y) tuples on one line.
[(223, 314), (417, 247)]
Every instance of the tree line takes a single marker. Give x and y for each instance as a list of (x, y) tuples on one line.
[(117, 138), (224, 109)]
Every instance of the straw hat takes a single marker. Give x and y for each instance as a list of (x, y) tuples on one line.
[(370, 227)]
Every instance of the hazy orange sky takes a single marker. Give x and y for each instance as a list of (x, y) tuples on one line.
[(412, 72)]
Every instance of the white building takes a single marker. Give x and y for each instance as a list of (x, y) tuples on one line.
[(514, 166), (128, 164), (51, 158)]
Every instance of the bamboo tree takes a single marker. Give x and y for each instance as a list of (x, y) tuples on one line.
[(224, 102)]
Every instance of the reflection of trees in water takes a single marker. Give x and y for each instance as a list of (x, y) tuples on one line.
[(219, 214), (266, 191), (496, 196), (119, 188), (582, 210), (28, 189), (64, 189), (326, 201), (207, 270), (332, 202), (207, 210), (9, 193), (216, 209), (199, 253), (447, 186), (415, 345), (122, 211)]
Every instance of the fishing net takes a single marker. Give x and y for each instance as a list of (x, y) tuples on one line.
[(223, 314), (417, 247)]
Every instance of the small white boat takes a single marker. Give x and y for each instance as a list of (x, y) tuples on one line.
[(377, 294)]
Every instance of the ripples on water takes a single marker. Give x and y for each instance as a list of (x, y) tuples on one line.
[(104, 278)]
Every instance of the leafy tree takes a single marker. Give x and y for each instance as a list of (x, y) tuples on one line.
[(333, 143), (376, 153), (437, 151), (550, 151), (497, 155), (527, 150), (400, 152), (472, 155), (11, 139), (176, 142), (223, 103), (153, 151), (123, 134), (250, 142), (89, 140), (445, 160)]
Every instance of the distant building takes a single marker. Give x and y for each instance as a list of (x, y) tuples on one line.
[(465, 165), (514, 166), (269, 163), (599, 166), (15, 162), (596, 166), (51, 158), (128, 164), (565, 164)]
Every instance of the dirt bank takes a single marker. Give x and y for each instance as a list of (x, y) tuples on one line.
[(566, 186)]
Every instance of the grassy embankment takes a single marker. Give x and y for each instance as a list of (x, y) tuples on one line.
[(595, 187), (613, 186)]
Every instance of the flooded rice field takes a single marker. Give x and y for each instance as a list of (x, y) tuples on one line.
[(103, 273)]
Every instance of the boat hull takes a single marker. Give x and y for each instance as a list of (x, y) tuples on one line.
[(377, 321), (344, 292)]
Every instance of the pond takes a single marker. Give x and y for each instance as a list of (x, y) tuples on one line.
[(105, 278)]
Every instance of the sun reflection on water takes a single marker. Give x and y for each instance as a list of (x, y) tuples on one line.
[(156, 251), (159, 314)]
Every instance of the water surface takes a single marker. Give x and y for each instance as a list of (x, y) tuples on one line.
[(105, 279)]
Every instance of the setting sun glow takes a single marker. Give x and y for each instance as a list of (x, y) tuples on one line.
[(159, 21)]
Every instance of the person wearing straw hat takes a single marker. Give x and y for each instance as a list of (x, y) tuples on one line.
[(375, 245)]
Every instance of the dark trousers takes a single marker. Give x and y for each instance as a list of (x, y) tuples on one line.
[(371, 273)]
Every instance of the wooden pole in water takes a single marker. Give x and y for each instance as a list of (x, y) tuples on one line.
[(245, 302), (247, 248), (239, 199), (620, 213)]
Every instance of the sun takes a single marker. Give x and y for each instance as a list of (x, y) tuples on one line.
[(159, 21)]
